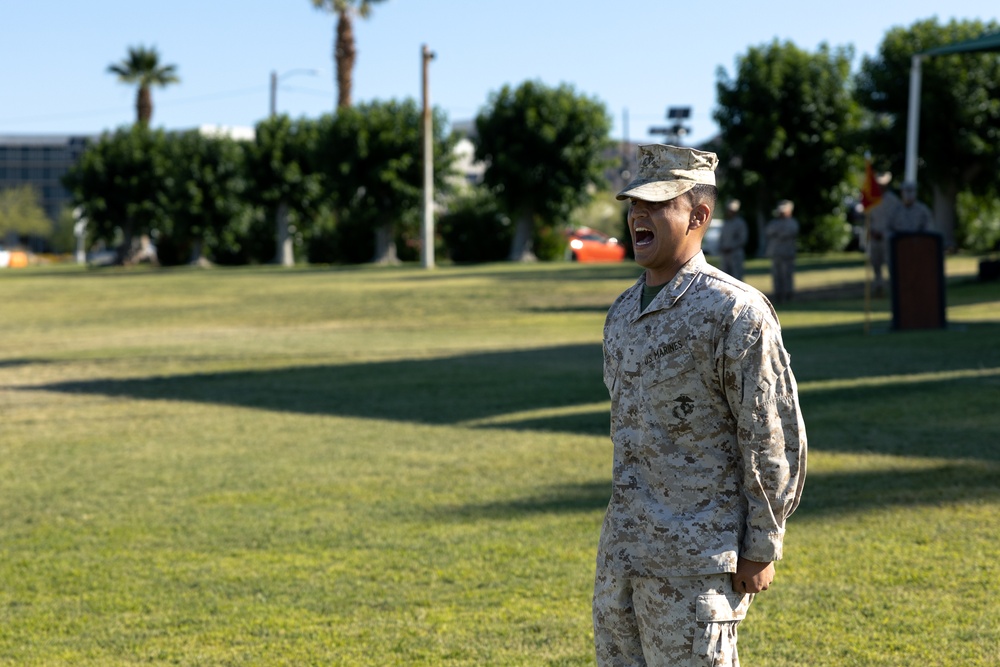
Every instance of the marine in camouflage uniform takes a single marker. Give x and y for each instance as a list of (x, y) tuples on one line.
[(879, 228), (912, 216), (733, 240), (709, 443), (782, 236)]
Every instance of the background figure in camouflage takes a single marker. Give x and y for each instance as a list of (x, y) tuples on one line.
[(879, 232), (733, 240), (913, 215), (709, 444), (782, 234)]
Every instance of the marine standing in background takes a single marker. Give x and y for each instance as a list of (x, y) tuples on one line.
[(733, 241), (879, 232), (782, 236), (913, 215), (709, 442)]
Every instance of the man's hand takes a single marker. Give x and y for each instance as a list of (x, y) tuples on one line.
[(751, 576)]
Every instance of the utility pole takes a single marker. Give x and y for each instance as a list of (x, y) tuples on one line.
[(427, 252), (274, 93), (274, 85)]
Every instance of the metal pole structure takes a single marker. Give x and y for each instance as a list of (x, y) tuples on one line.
[(274, 93), (427, 253), (913, 121), (274, 85), (626, 177)]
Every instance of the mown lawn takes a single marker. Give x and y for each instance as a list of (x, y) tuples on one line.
[(371, 466)]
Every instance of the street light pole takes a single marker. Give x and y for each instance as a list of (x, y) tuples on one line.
[(427, 254), (274, 85)]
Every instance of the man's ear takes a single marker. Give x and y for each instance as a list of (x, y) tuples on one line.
[(701, 216)]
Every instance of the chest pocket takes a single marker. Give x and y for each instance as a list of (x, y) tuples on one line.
[(672, 385)]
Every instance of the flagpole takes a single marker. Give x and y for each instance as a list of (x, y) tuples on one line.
[(871, 195)]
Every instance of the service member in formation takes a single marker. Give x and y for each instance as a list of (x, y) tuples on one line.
[(733, 241), (709, 442), (879, 218), (913, 215), (782, 238)]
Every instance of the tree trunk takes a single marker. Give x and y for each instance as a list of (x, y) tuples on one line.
[(521, 245), (195, 259), (385, 246), (945, 207), (144, 105), (344, 54), (125, 249), (283, 240)]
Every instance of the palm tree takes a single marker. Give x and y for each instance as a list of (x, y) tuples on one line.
[(344, 50), (142, 67)]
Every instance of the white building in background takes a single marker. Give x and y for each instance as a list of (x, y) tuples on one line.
[(470, 171), (237, 132)]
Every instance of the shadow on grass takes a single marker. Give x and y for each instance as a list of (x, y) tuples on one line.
[(827, 494), (14, 363), (562, 499), (434, 391), (909, 419), (908, 411), (847, 492)]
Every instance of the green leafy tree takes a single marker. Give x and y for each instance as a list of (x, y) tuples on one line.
[(475, 228), (543, 148), (142, 67), (119, 185), (788, 122), (21, 214), (345, 50), (206, 205), (980, 216), (959, 138), (282, 179), (371, 155)]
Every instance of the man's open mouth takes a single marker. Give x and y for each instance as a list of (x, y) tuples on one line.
[(643, 235)]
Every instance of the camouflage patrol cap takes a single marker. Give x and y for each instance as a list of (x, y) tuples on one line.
[(666, 172)]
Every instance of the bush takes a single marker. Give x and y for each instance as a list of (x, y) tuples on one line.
[(475, 230), (978, 223), (827, 233), (550, 243)]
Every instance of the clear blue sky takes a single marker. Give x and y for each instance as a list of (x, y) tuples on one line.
[(637, 56)]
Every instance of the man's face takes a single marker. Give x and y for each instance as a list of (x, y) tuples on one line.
[(661, 238)]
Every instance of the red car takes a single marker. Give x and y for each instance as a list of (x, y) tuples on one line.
[(590, 245)]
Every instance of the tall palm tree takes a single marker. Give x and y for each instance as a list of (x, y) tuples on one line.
[(142, 67), (344, 50)]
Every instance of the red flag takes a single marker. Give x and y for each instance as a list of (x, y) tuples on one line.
[(871, 191)]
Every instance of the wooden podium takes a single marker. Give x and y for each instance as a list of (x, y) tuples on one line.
[(917, 267)]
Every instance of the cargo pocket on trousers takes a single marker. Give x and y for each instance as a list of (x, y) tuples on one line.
[(715, 638)]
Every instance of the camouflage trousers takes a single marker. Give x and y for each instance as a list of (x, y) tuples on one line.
[(877, 258), (783, 278), (732, 262), (675, 622)]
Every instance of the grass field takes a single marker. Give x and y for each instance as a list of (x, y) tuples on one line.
[(371, 466)]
